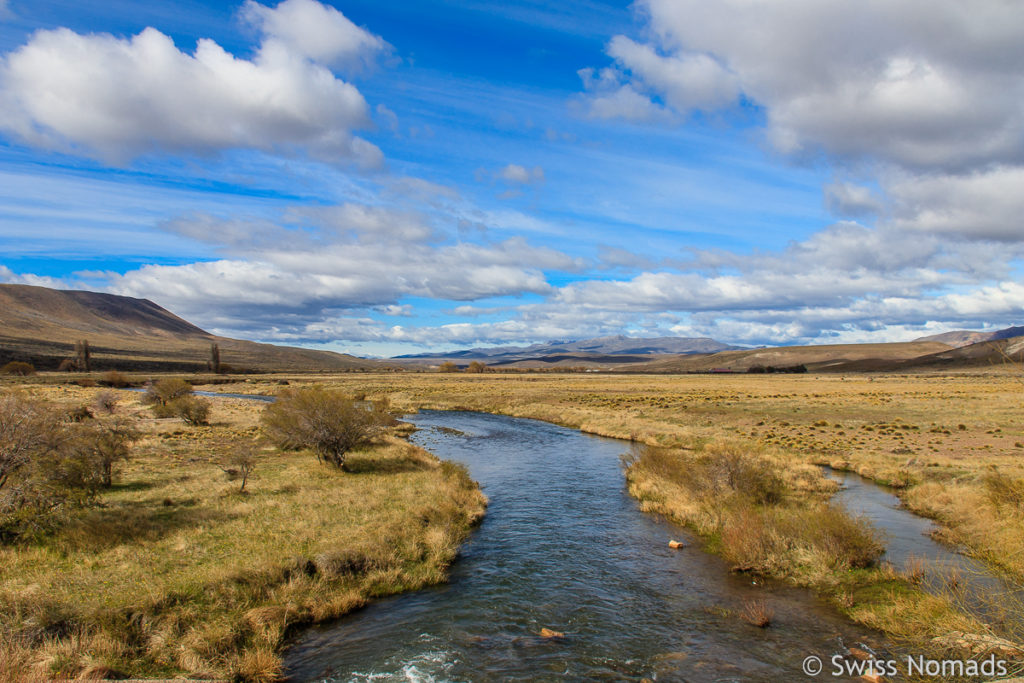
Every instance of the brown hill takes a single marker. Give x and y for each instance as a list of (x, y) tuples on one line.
[(987, 354), (41, 325), (824, 358), (967, 337)]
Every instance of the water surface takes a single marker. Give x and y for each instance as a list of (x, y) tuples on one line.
[(564, 547)]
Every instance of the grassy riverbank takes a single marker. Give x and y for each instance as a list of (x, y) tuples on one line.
[(177, 572)]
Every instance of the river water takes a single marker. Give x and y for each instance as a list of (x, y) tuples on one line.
[(564, 547), (972, 584)]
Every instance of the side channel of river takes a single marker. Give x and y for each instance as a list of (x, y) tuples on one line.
[(564, 547)]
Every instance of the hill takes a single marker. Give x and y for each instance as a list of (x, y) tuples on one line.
[(960, 338), (824, 358), (599, 351), (41, 325)]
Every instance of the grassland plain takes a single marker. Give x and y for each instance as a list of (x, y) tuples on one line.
[(951, 444), (177, 572)]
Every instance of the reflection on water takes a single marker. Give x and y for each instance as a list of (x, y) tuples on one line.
[(564, 547)]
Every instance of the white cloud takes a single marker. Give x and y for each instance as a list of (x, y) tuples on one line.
[(8, 276), (686, 81), (116, 99), (317, 31), (608, 98), (922, 86), (851, 201), (985, 204)]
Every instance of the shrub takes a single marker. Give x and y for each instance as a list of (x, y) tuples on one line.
[(448, 366), (757, 613), (104, 444), (80, 414), (113, 378), (326, 422), (1004, 491), (163, 391), (18, 368), (194, 411), (43, 468), (105, 402)]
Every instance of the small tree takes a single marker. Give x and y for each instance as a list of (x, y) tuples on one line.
[(240, 464), (326, 422), (476, 366), (215, 358), (448, 366), (105, 443), (83, 355), (18, 368)]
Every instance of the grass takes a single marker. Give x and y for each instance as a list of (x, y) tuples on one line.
[(178, 573)]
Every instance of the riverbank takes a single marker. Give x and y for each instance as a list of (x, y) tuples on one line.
[(178, 572)]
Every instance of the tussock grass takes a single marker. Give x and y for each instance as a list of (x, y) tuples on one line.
[(758, 512), (180, 574)]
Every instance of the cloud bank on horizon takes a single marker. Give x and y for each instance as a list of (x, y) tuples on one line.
[(767, 172)]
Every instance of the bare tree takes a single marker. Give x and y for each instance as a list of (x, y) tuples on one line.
[(240, 464), (215, 358), (83, 355)]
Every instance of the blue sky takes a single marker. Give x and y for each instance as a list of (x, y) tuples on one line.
[(383, 178)]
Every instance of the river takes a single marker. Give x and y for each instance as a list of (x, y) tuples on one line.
[(564, 547)]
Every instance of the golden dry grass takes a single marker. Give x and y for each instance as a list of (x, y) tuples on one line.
[(936, 437), (178, 573)]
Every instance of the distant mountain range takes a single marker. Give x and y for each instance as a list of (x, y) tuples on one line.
[(959, 338), (619, 345), (42, 325)]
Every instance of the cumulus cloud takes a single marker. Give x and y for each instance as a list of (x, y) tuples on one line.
[(8, 276), (115, 99), (851, 201), (686, 81), (887, 80), (931, 98), (985, 204), (276, 277), (316, 31)]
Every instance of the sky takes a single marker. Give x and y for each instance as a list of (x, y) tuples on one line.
[(383, 177)]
